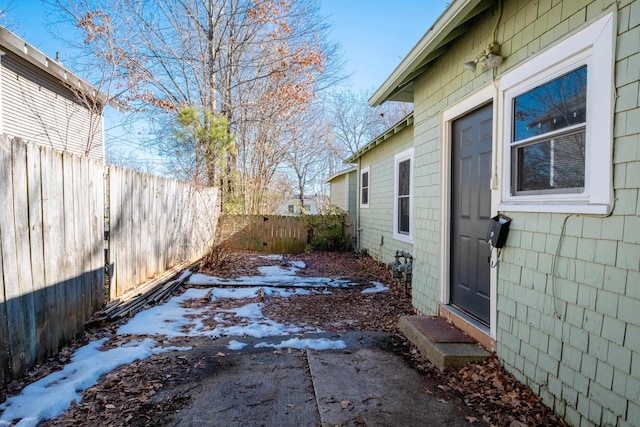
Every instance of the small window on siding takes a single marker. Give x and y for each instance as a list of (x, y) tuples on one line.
[(403, 192), (364, 187), (549, 126), (558, 119), (404, 195)]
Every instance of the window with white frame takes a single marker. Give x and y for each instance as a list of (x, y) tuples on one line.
[(558, 119), (364, 187), (403, 206), (548, 136)]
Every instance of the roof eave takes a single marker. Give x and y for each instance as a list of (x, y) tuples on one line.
[(399, 85), (403, 123), (340, 173), (34, 56)]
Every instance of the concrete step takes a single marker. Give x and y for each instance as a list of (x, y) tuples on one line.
[(443, 344)]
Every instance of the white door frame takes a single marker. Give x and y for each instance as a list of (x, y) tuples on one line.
[(477, 99)]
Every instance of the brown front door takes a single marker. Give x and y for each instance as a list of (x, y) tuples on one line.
[(470, 212)]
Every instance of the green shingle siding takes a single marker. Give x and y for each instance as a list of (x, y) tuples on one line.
[(585, 365), (353, 193), (376, 221)]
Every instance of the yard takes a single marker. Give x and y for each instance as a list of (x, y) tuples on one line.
[(248, 296)]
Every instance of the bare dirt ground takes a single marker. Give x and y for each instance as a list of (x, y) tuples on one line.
[(144, 393)]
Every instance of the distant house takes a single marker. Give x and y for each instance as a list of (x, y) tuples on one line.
[(43, 102), (528, 109), (343, 189), (311, 206)]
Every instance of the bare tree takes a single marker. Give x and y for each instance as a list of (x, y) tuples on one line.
[(255, 62), (280, 190), (306, 155), (356, 123), (353, 119)]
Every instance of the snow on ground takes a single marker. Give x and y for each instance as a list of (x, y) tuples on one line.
[(52, 395), (315, 344), (235, 345), (377, 287), (273, 275)]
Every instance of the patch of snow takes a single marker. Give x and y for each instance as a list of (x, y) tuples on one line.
[(170, 318), (249, 311), (377, 287), (315, 344), (276, 272), (285, 293), (236, 345), (184, 275), (236, 293), (298, 264), (50, 396), (273, 276), (264, 328), (158, 350)]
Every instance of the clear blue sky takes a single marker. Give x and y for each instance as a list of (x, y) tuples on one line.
[(375, 34)]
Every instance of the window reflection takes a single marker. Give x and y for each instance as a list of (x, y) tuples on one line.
[(555, 105), (551, 122), (552, 164)]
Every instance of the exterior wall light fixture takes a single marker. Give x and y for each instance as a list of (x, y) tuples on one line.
[(489, 58)]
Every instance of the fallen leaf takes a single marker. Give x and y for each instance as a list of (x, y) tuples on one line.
[(220, 354), (442, 401), (493, 394), (427, 391)]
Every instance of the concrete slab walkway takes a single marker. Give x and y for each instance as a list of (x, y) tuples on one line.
[(365, 384)]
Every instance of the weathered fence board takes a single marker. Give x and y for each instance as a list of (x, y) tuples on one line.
[(4, 333), (271, 233), (9, 254), (16, 316), (52, 235), (52, 243), (46, 279), (155, 223), (34, 183), (284, 234)]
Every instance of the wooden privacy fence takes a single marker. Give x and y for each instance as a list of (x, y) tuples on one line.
[(51, 251), (282, 234), (154, 224), (52, 243)]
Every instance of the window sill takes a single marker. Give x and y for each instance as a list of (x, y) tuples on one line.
[(555, 207), (403, 238)]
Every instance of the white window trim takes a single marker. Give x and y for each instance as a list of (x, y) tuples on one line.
[(398, 158), (362, 172), (593, 46)]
